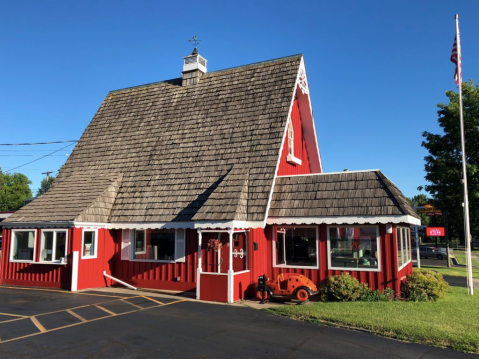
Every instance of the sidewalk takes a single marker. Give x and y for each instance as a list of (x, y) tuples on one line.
[(460, 281)]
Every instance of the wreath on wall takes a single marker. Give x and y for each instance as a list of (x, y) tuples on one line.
[(214, 245)]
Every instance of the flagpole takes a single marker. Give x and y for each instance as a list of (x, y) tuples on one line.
[(470, 284)]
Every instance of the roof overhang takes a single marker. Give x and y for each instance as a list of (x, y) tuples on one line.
[(139, 225), (396, 219)]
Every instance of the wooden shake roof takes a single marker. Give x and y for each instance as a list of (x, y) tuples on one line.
[(365, 193), (202, 152)]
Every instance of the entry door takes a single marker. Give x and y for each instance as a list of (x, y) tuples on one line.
[(239, 252)]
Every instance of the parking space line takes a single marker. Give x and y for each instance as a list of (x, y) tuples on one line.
[(177, 301), (61, 310), (61, 291), (38, 325), (77, 316), (104, 309), (14, 315), (126, 301), (156, 301), (42, 329), (13, 320)]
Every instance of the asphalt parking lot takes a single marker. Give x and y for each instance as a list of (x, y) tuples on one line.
[(57, 324)]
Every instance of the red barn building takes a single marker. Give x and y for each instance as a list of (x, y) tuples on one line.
[(202, 183)]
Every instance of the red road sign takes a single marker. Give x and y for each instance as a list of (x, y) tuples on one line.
[(435, 231)]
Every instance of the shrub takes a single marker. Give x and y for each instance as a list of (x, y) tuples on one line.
[(341, 288), (424, 286), (344, 288)]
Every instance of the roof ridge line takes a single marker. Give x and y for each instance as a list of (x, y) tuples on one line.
[(208, 73), (329, 173), (254, 64)]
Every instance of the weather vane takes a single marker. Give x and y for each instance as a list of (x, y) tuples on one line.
[(194, 41)]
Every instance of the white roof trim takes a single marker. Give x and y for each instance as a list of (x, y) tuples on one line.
[(177, 225), (345, 220), (37, 224), (314, 134), (229, 224)]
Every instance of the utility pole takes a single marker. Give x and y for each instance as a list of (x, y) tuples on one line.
[(48, 174), (418, 255)]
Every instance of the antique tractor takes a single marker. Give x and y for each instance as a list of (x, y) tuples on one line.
[(286, 284)]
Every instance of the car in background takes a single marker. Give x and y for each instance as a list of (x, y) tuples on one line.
[(432, 252)]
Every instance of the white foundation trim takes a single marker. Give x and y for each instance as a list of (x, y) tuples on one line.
[(345, 220)]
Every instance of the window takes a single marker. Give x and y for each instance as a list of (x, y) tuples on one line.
[(54, 246), (140, 244), (296, 247), (403, 243), (23, 246), (90, 244), (155, 244), (354, 248), (290, 139)]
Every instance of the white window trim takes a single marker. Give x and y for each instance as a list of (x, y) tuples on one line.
[(290, 138), (132, 253), (404, 250), (12, 246), (54, 230), (275, 265), (95, 230), (293, 159), (144, 241), (378, 242)]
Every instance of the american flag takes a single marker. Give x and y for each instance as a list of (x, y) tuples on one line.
[(456, 59)]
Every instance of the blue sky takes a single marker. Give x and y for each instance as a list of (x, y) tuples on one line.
[(376, 69)]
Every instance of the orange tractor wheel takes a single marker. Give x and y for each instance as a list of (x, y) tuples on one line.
[(302, 295)]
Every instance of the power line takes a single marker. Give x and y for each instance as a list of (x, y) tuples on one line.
[(66, 154), (37, 143), (11, 169), (32, 150)]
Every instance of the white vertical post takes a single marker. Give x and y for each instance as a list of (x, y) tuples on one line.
[(470, 284), (418, 255), (219, 257), (199, 270), (230, 265), (75, 262)]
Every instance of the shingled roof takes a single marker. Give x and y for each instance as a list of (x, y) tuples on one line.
[(79, 197), (178, 148), (346, 194)]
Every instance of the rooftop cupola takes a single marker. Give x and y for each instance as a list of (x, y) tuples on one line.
[(193, 68)]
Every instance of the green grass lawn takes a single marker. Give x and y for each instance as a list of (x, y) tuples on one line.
[(452, 321), (453, 271), (461, 258)]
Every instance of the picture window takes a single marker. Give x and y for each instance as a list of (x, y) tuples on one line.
[(354, 248), (53, 246), (23, 246)]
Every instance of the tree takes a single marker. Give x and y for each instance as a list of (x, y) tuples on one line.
[(421, 200), (444, 162), (45, 185), (14, 190)]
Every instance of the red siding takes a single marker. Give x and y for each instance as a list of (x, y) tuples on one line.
[(387, 277), (90, 271), (214, 287), (242, 286), (157, 275), (35, 274), (286, 168)]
